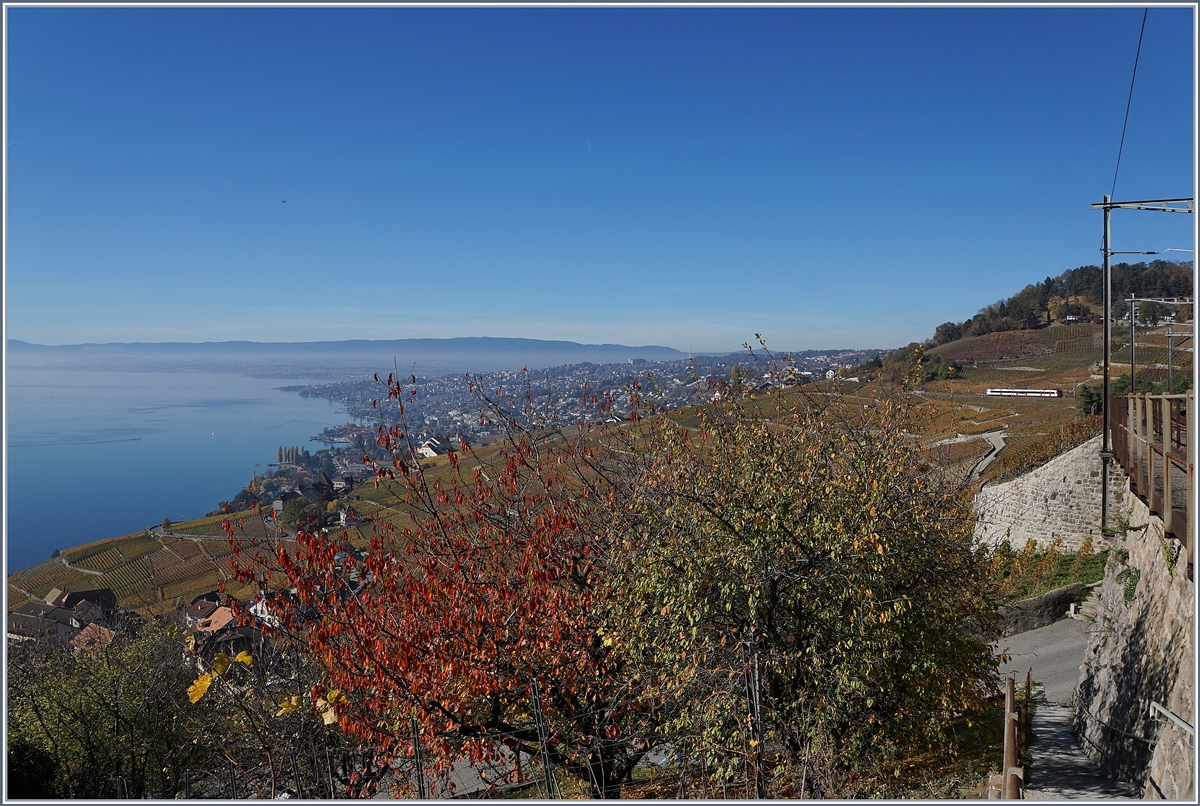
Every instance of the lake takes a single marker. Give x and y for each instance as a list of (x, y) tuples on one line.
[(97, 454)]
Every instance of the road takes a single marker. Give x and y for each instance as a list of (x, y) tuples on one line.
[(1055, 652), (997, 439), (157, 531)]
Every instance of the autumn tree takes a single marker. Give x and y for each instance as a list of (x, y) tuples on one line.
[(802, 588), (152, 715), (488, 583), (1055, 305), (265, 723)]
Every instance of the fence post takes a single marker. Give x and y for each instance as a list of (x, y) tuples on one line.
[(756, 729), (1012, 790)]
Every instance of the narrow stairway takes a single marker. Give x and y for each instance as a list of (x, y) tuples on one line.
[(1087, 610), (1060, 769)]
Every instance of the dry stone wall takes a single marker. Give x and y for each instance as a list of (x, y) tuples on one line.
[(1060, 499), (1141, 651)]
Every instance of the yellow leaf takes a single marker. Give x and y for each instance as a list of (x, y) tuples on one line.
[(220, 664), (244, 657), (335, 696), (199, 687), (288, 705), (328, 715), (190, 643)]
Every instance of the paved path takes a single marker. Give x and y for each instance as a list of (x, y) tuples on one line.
[(997, 439), (1060, 769), (288, 533), (1055, 652)]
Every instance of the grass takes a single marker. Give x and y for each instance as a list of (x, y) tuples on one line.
[(1031, 572)]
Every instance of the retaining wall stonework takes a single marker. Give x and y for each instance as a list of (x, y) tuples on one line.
[(1038, 611), (1140, 651), (1059, 499)]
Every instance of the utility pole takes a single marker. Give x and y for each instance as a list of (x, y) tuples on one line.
[(1132, 346), (1132, 338), (1107, 206), (1105, 445)]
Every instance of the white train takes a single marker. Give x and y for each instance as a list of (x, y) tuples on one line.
[(1025, 392)]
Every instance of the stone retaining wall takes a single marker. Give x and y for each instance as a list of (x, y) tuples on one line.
[(1038, 611), (1140, 652), (1059, 499)]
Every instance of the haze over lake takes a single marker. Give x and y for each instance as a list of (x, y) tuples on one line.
[(107, 439), (97, 454)]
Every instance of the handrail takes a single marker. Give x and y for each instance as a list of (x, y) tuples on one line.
[(1009, 783), (1156, 709), (1153, 447)]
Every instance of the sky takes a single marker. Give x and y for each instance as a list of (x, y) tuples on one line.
[(847, 177)]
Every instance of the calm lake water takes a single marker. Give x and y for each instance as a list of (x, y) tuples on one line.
[(101, 454)]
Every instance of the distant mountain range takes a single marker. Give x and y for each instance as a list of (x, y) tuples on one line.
[(332, 359)]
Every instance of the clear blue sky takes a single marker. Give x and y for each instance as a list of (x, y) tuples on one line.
[(686, 177)]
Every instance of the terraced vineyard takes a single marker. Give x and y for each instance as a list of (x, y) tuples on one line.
[(252, 524), (103, 561), (144, 572), (183, 549), (126, 580)]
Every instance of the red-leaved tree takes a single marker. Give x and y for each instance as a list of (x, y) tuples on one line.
[(482, 580)]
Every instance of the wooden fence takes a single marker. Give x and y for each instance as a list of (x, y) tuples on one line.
[(1150, 441), (1010, 783)]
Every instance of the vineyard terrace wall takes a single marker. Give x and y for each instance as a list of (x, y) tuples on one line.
[(1060, 499), (1140, 652)]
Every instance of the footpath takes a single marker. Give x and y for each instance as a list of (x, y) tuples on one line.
[(1060, 770)]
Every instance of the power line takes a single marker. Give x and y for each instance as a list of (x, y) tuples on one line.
[(1129, 101)]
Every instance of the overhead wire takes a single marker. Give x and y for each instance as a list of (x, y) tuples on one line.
[(1129, 102)]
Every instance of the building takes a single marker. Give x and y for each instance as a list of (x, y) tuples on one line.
[(433, 447), (93, 637)]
